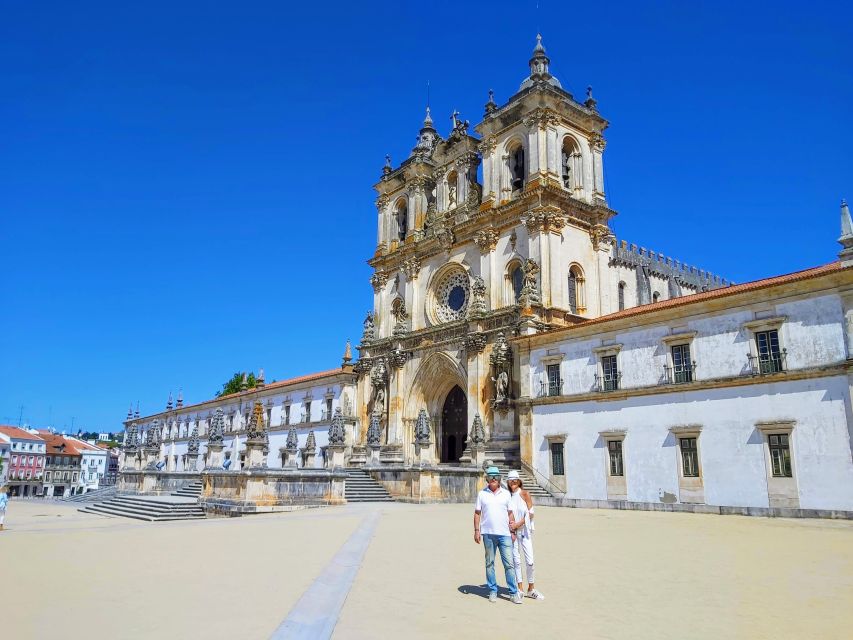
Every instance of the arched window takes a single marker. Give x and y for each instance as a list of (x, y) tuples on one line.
[(577, 301), (517, 170), (655, 296), (452, 185), (401, 214), (621, 296), (514, 281), (571, 164)]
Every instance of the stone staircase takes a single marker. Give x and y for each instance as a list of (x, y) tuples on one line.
[(149, 508), (360, 487), (92, 496), (530, 484), (191, 490)]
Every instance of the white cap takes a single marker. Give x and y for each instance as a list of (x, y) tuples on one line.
[(513, 475)]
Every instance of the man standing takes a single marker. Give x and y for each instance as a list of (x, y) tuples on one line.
[(492, 521)]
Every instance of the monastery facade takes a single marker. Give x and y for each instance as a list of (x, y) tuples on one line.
[(509, 324)]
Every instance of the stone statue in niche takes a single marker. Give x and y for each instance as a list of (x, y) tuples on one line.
[(501, 385), (378, 379), (451, 194), (501, 361)]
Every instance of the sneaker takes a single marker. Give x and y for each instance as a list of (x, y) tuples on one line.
[(536, 595), (493, 596), (517, 598)]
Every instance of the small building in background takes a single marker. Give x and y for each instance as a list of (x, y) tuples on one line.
[(26, 461)]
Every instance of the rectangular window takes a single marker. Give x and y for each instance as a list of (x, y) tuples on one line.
[(611, 373), (780, 454), (14, 459), (287, 414), (557, 468), (329, 409), (47, 476), (308, 411), (614, 448), (689, 458), (555, 385), (769, 354), (682, 366)]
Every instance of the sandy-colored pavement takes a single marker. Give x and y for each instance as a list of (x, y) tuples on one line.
[(605, 574)]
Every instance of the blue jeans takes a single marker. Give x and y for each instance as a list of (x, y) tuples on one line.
[(491, 542)]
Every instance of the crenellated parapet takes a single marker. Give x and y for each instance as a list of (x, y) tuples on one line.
[(630, 255)]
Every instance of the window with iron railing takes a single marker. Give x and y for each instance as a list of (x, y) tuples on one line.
[(555, 382), (682, 369), (608, 380), (769, 358)]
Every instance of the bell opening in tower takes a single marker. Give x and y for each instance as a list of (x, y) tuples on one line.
[(453, 425)]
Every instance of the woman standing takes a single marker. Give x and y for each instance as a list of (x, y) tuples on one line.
[(522, 511), (4, 500)]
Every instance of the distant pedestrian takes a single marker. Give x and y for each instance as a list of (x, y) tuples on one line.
[(493, 523), (4, 500), (522, 510)]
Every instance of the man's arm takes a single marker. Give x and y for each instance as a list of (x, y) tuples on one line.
[(477, 527), (511, 523)]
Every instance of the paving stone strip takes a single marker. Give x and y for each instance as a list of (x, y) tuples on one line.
[(316, 613)]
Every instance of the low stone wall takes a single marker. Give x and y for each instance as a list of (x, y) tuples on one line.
[(430, 483), (265, 490), (153, 482), (624, 505)]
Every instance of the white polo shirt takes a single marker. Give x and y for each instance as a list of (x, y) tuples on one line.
[(493, 508)]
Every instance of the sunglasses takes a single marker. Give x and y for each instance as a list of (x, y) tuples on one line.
[(494, 478)]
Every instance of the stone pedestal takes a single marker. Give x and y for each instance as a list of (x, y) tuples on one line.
[(477, 454), (150, 457), (309, 457), (149, 482), (214, 457), (129, 460), (423, 453), (256, 458), (335, 456), (288, 457), (373, 455), (191, 462)]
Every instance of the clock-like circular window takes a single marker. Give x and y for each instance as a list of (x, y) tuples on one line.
[(452, 297)]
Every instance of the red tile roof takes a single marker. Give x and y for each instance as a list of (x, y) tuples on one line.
[(273, 385), (713, 294), (19, 434), (57, 444)]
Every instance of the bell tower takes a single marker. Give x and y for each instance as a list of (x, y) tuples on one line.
[(462, 266)]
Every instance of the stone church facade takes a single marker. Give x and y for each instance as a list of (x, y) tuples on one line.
[(505, 313)]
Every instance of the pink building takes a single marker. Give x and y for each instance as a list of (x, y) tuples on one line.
[(26, 461)]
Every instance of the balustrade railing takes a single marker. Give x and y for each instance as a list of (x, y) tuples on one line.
[(767, 363), (608, 382), (679, 374)]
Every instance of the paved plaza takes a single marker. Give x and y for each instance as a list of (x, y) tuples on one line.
[(396, 570)]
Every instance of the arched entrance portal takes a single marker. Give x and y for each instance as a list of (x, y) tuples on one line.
[(453, 428)]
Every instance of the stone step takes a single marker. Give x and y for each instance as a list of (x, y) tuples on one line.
[(360, 487), (149, 509), (101, 511)]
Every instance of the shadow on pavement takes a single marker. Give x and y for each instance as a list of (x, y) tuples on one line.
[(481, 590)]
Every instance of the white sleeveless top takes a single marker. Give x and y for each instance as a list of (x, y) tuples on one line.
[(519, 511)]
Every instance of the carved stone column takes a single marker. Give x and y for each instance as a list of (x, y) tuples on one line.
[(309, 452), (214, 457), (337, 441), (424, 451), (289, 451)]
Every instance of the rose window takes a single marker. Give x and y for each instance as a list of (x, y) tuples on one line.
[(452, 297)]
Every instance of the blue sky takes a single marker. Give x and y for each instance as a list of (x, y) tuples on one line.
[(186, 187)]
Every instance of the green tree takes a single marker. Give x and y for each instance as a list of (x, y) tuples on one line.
[(235, 383)]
